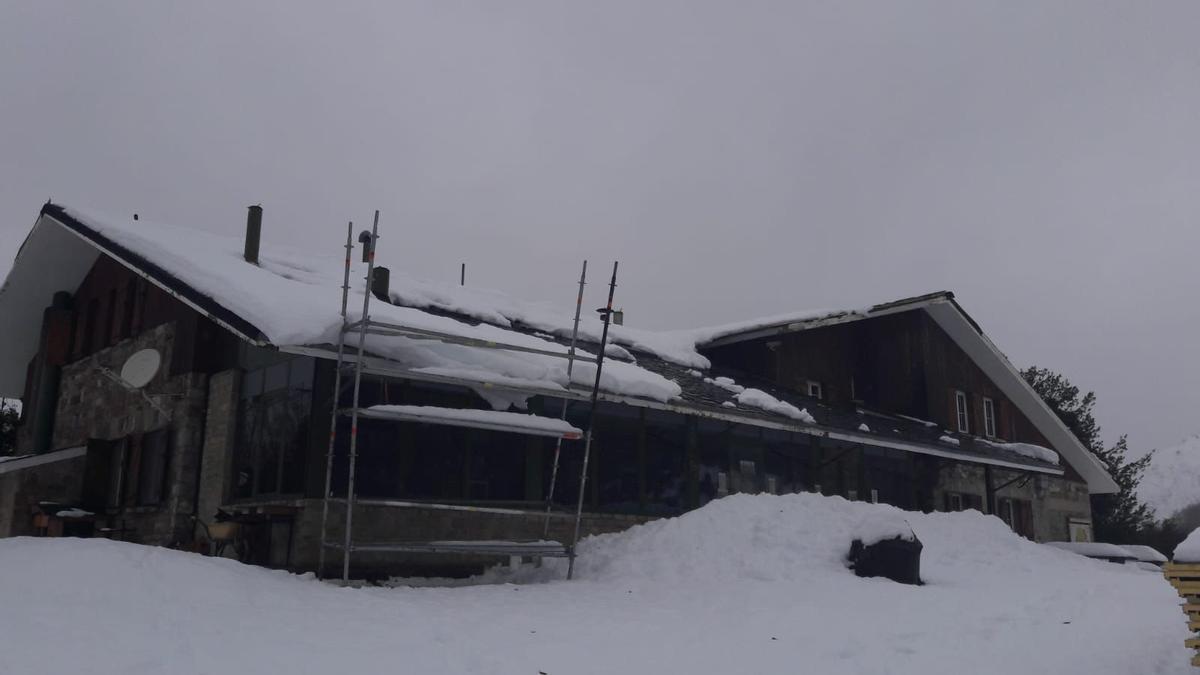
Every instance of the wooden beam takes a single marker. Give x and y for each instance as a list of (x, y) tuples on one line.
[(643, 498)]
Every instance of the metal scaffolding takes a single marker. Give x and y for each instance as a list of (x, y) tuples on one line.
[(353, 365)]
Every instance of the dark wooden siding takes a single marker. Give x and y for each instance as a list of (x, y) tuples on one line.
[(901, 363), (112, 304)]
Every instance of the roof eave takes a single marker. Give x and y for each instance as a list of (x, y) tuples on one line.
[(833, 319), (968, 335), (164, 280)]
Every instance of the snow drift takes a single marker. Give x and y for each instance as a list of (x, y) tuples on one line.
[(747, 584)]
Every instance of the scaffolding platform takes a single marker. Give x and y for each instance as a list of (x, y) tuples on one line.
[(521, 423), (492, 420), (537, 549)]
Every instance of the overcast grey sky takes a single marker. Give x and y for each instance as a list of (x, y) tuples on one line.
[(1041, 160)]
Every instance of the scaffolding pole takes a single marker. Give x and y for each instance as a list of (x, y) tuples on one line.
[(333, 416), (362, 337), (563, 415), (364, 326), (587, 443)]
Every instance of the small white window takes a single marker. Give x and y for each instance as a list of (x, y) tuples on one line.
[(989, 418), (814, 389), (960, 404), (874, 496), (772, 485), (722, 484), (852, 495)]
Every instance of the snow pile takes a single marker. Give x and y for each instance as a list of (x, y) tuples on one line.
[(878, 527), (1025, 450), (1171, 482), (949, 440), (1189, 549), (757, 398), (726, 383), (747, 584)]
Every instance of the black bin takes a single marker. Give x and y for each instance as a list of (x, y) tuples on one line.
[(897, 559)]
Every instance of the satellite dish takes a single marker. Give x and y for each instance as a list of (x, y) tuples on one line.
[(140, 368)]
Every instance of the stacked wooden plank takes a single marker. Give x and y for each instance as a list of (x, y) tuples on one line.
[(1185, 577)]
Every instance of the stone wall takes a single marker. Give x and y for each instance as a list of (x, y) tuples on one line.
[(1054, 499), (21, 489), (391, 524), (219, 437), (92, 405)]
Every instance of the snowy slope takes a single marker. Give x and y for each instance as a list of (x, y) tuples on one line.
[(743, 585), (1172, 481)]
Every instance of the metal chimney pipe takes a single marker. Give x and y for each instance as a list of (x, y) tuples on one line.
[(253, 233)]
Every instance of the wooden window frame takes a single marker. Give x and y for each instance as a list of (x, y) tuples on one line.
[(989, 417), (962, 411), (820, 391)]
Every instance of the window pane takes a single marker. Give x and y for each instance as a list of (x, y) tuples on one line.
[(277, 377), (273, 429), (153, 471)]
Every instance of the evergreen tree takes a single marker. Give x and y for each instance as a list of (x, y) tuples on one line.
[(1119, 517)]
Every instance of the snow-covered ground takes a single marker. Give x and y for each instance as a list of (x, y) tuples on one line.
[(747, 584), (1172, 480)]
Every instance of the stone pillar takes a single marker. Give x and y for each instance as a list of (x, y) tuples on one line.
[(220, 433)]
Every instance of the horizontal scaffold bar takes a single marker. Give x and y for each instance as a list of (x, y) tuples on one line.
[(439, 506), (398, 330), (545, 549), (491, 420)]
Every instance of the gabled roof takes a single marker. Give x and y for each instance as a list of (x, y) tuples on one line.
[(969, 336), (291, 302)]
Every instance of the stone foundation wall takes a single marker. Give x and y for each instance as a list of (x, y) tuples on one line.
[(92, 405), (1054, 499), (390, 524), (21, 489)]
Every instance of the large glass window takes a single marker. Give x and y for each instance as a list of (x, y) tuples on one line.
[(273, 428)]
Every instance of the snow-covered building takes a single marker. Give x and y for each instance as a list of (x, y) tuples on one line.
[(906, 402)]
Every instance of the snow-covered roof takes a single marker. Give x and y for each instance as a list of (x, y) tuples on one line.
[(1094, 549), (1145, 553), (292, 301)]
